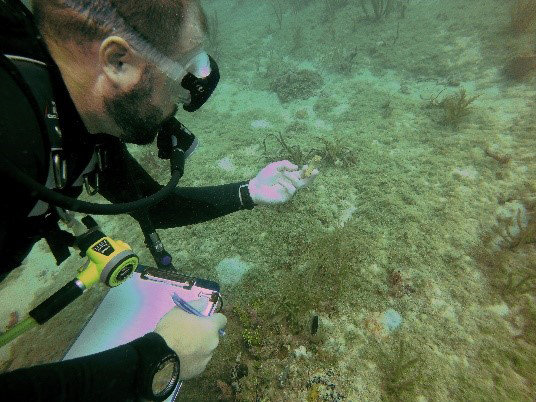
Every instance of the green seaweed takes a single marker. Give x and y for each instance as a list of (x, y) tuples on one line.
[(384, 8), (278, 8), (291, 152), (323, 267), (331, 8), (334, 153), (456, 107), (251, 332), (518, 283), (400, 372), (290, 85)]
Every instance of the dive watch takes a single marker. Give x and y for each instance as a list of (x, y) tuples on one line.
[(159, 369)]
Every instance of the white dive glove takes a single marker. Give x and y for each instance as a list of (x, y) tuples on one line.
[(277, 182), (192, 338)]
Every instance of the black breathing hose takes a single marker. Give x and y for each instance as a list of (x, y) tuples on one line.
[(72, 204), (169, 149)]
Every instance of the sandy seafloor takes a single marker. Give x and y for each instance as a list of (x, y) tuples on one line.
[(416, 249)]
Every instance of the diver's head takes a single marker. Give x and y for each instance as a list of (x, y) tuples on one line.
[(127, 63)]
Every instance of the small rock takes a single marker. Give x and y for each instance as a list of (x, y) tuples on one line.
[(283, 377), (231, 270), (226, 164), (391, 320), (468, 172), (301, 352), (256, 124)]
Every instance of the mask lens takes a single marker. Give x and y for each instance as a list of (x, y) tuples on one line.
[(199, 65), (201, 88), (196, 80)]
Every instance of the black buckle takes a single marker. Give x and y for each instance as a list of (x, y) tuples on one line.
[(89, 189), (59, 167), (102, 157)]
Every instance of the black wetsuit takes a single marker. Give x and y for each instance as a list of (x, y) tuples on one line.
[(22, 142), (111, 375)]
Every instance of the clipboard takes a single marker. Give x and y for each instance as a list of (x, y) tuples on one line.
[(134, 308)]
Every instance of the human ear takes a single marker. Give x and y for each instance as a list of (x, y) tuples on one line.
[(120, 63)]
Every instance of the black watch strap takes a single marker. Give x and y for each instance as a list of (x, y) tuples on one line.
[(246, 202), (154, 354)]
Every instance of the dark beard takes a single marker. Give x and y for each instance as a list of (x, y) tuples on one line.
[(133, 113)]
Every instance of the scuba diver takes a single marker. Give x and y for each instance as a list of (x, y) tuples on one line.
[(80, 79)]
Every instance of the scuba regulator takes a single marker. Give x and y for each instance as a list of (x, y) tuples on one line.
[(108, 261)]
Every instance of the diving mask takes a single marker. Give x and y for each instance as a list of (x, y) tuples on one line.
[(196, 72), (198, 78)]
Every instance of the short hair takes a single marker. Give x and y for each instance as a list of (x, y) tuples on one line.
[(157, 22)]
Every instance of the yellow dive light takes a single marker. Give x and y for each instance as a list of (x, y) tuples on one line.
[(108, 261)]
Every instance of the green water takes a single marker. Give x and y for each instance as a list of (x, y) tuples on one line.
[(415, 246)]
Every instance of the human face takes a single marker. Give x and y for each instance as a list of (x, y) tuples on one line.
[(188, 78), (134, 113), (141, 111)]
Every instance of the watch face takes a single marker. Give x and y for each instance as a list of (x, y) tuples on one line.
[(166, 376)]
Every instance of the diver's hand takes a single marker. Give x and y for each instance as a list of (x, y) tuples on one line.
[(277, 182), (192, 338)]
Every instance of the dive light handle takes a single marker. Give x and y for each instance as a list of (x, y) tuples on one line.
[(58, 301)]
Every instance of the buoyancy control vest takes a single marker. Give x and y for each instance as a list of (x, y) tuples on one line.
[(24, 56)]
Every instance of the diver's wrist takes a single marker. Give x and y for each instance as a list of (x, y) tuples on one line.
[(158, 367), (246, 201)]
